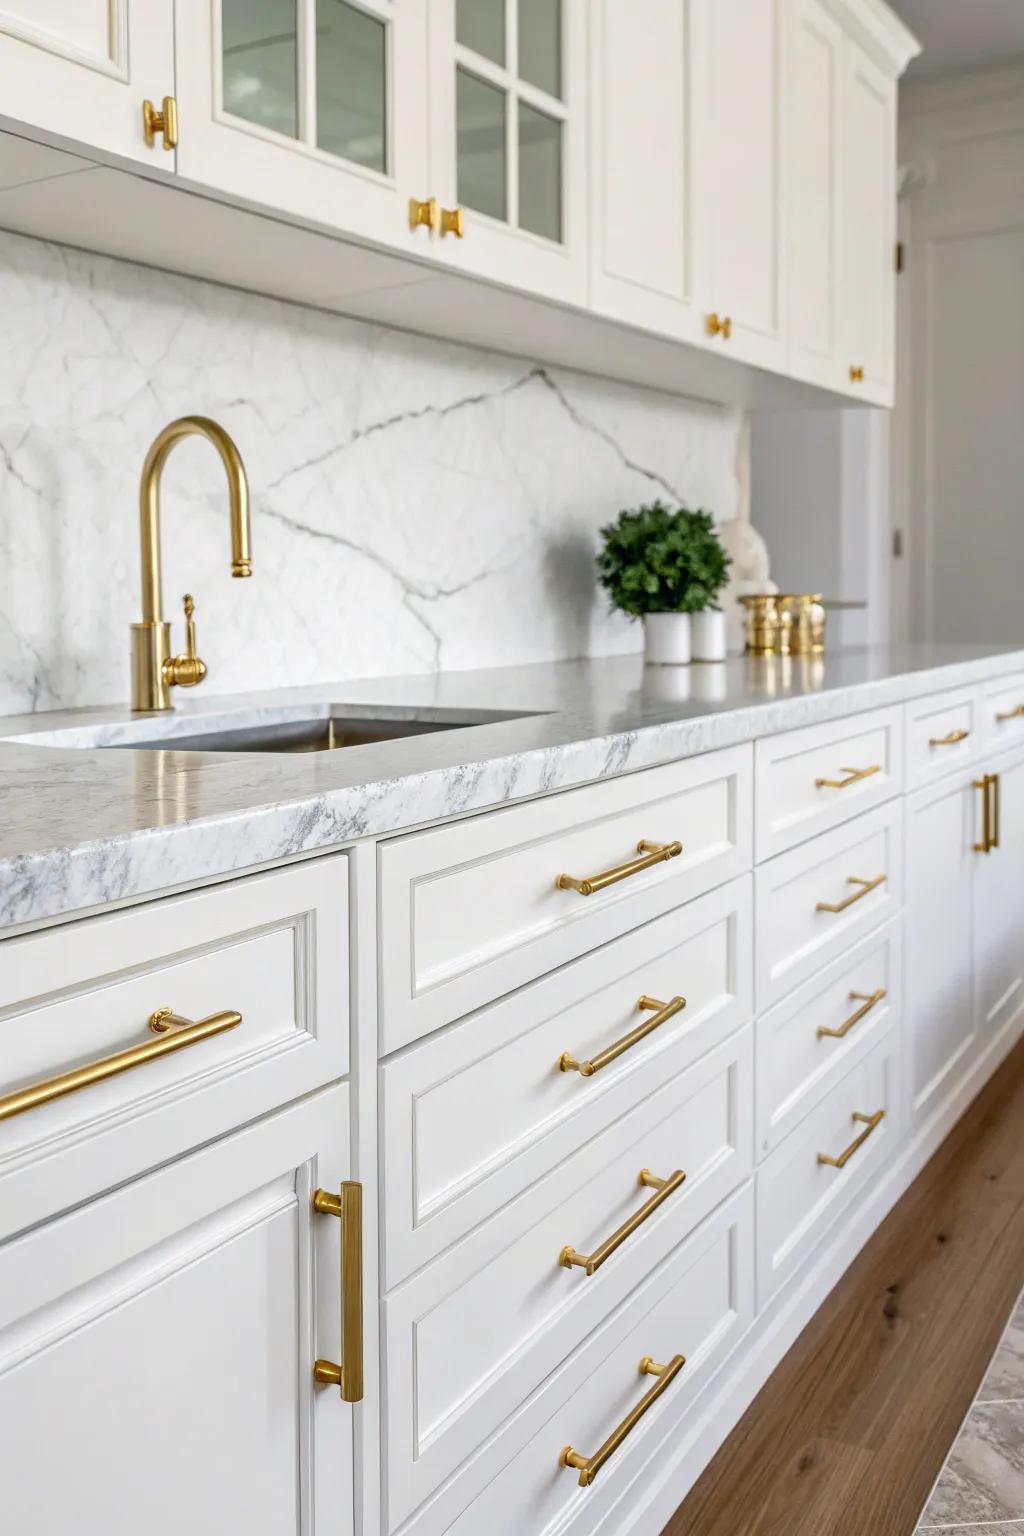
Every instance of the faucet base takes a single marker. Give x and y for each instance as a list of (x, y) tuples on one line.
[(151, 648)]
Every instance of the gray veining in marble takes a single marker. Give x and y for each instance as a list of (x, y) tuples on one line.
[(83, 828), (1004, 1379), (983, 1480)]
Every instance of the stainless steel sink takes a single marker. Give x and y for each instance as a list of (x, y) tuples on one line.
[(317, 733)]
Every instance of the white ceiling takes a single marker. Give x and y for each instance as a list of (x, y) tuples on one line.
[(963, 34)]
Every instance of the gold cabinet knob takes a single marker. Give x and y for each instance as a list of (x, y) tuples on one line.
[(165, 122), (856, 374), (719, 325), (428, 213), (453, 222)]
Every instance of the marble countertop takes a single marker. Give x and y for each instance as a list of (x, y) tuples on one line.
[(82, 826)]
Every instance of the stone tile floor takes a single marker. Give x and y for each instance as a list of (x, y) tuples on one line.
[(980, 1491)]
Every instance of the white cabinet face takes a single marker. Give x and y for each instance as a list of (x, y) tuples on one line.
[(80, 69), (867, 224), (157, 1347), (939, 1025), (740, 112), (814, 145), (509, 139), (316, 108), (998, 950), (642, 155)]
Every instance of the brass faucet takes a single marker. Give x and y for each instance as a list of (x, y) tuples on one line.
[(154, 670)]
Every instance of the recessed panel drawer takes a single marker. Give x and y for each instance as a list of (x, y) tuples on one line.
[(697, 1306), (805, 1184), (471, 1337), (814, 902), (811, 780), (476, 1113), (942, 733), (473, 909), (809, 1040), (263, 962), (1002, 710)]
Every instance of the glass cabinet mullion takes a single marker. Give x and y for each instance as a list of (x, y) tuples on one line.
[(541, 101), (307, 69)]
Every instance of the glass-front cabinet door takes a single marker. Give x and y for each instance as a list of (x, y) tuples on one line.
[(508, 140), (314, 108)]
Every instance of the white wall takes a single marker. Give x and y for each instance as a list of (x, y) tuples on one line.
[(415, 505)]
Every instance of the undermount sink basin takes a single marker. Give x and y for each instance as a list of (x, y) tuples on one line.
[(326, 732)]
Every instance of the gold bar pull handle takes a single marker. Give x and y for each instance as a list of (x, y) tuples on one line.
[(1017, 713), (592, 1262), (948, 741), (852, 776), (985, 784), (864, 888), (175, 1034), (665, 1011), (869, 1001), (993, 779), (871, 1122), (652, 853), (348, 1376), (589, 1466)]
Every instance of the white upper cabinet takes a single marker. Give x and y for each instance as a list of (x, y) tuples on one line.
[(80, 70), (643, 234), (815, 124), (867, 225), (740, 127), (508, 134), (314, 108)]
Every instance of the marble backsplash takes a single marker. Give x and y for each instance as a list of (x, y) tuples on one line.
[(416, 505)]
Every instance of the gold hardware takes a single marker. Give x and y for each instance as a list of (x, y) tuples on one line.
[(994, 782), (869, 1000), (866, 887), (719, 325), (453, 222), (1016, 713), (154, 670), (653, 853), (592, 1262), (665, 1011), (165, 122), (856, 375), (589, 1466), (176, 1034), (948, 741), (853, 776), (988, 839), (348, 1376), (872, 1122), (427, 212)]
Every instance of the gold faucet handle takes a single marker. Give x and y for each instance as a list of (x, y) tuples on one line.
[(188, 670)]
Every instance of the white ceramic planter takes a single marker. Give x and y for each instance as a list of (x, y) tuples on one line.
[(708, 634), (667, 638)]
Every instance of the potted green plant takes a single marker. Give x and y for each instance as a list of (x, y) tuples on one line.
[(665, 566)]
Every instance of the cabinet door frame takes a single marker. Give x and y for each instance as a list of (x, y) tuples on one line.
[(879, 371), (74, 95), (263, 168), (492, 248), (992, 1023)]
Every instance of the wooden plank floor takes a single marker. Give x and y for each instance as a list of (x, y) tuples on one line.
[(848, 1435)]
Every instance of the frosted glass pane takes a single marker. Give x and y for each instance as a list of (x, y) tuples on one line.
[(480, 147), (259, 63), (351, 104), (540, 173), (480, 25), (540, 44)]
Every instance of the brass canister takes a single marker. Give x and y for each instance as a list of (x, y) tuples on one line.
[(806, 622), (768, 624)]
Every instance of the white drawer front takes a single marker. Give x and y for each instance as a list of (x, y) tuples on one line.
[(798, 1195), (477, 1113), (273, 948), (811, 1039), (797, 926), (472, 1336), (1002, 710), (942, 733), (471, 910), (809, 781), (699, 1305)]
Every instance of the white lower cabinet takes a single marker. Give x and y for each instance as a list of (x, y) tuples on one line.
[(998, 905), (157, 1347)]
